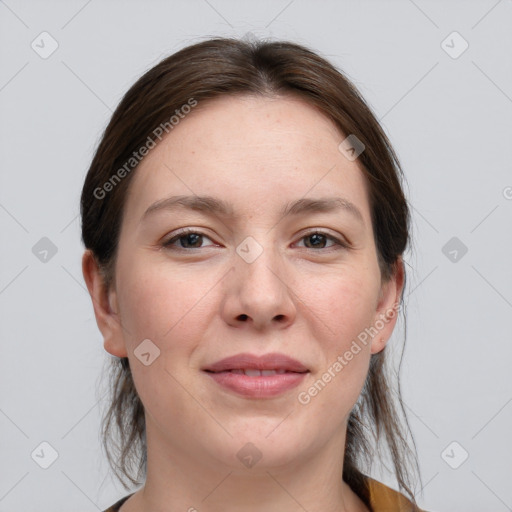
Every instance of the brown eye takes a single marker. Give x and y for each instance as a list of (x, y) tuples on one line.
[(316, 241), (186, 240), (319, 240), (190, 240)]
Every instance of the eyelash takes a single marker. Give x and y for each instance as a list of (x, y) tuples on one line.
[(168, 244)]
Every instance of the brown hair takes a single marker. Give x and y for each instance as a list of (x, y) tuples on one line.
[(223, 66)]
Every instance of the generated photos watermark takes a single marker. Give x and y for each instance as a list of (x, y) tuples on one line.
[(343, 360), (137, 156)]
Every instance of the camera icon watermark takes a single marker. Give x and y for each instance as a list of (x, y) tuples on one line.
[(351, 147), (44, 455), (249, 250), (44, 250), (454, 249), (454, 455), (454, 45), (44, 45), (146, 352), (249, 455)]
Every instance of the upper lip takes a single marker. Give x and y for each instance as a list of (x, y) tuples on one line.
[(272, 361)]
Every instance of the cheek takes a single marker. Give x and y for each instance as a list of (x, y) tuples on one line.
[(171, 309), (345, 302), (160, 303), (347, 307)]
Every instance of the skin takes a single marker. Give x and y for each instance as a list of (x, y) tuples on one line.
[(304, 300)]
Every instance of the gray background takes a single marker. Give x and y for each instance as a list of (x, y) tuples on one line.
[(449, 119)]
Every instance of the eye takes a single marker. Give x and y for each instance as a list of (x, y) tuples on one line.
[(191, 239), (186, 239), (318, 240)]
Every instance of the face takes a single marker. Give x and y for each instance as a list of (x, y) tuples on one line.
[(248, 279)]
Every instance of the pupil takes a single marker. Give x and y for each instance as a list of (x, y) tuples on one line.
[(192, 238), (316, 239)]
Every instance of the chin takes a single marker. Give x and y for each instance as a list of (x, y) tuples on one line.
[(260, 446)]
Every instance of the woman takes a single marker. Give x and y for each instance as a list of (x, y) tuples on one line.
[(244, 225)]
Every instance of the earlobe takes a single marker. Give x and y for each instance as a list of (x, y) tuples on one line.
[(378, 344), (105, 306)]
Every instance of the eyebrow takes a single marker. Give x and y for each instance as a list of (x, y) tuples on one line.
[(216, 206)]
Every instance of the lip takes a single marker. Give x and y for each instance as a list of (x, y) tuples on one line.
[(272, 361), (262, 386)]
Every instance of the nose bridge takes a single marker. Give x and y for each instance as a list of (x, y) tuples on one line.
[(257, 264)]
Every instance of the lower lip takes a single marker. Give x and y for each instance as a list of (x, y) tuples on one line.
[(262, 386)]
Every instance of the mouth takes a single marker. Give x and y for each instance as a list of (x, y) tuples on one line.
[(251, 372), (247, 363), (256, 383), (257, 376)]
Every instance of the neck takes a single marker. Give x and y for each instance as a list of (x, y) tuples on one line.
[(179, 479)]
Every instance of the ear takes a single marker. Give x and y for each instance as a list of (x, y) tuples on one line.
[(388, 306), (105, 306)]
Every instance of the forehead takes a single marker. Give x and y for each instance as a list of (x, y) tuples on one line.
[(250, 150)]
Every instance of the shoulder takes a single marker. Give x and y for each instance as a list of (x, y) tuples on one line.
[(386, 499), (117, 505)]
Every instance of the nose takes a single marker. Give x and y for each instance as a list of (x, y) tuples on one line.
[(259, 293)]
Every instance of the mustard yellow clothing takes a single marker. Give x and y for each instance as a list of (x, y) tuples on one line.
[(382, 499), (385, 499)]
